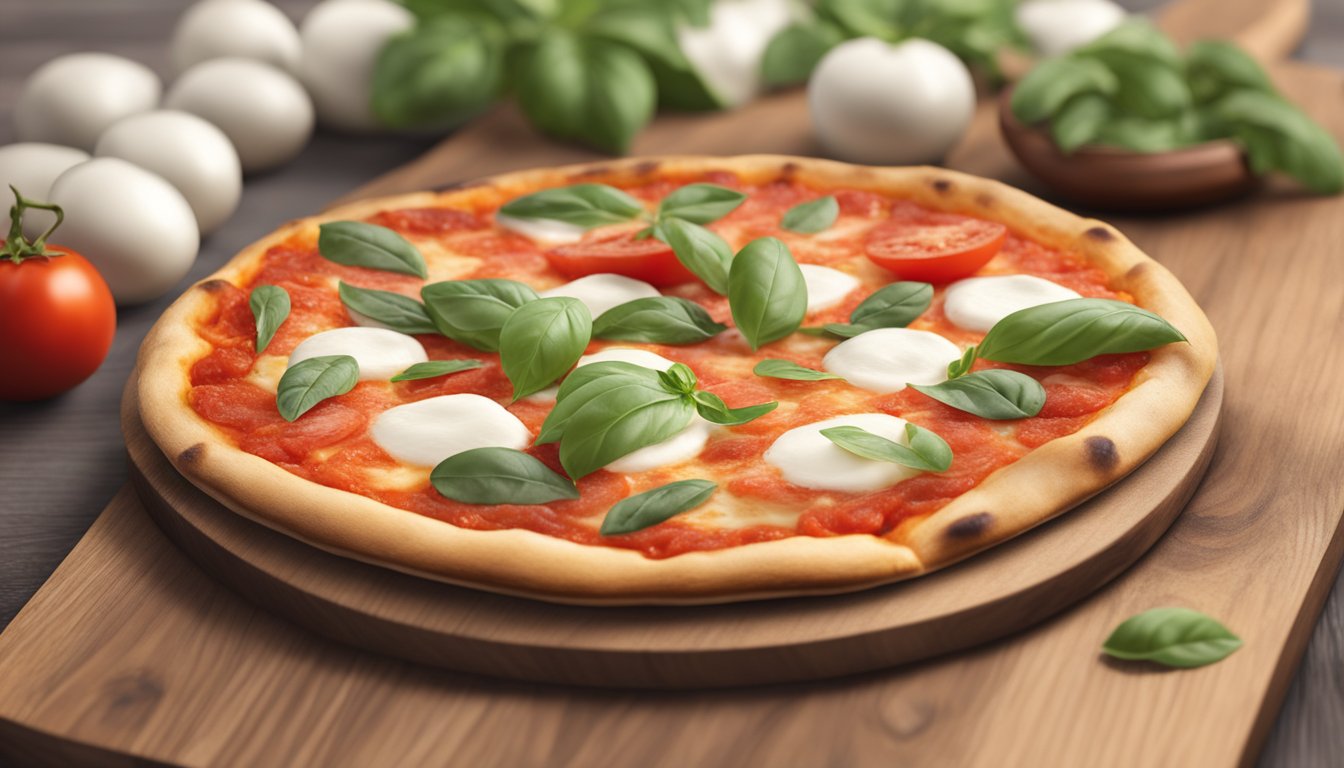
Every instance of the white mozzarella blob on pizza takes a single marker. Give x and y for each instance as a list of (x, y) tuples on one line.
[(603, 291), (428, 431), (887, 359), (826, 287), (640, 357), (542, 230), (977, 303), (806, 457), (381, 353), (683, 446)]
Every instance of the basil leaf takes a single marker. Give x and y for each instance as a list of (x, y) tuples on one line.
[(958, 368), (473, 311), (992, 394), (623, 419), (1137, 38), (812, 216), (1145, 134), (766, 292), (1053, 82), (679, 379), (309, 382), (541, 340), (927, 451), (653, 507), (1149, 89), (773, 368), (712, 408), (499, 476), (1279, 136), (435, 368), (1074, 330), (583, 205), (398, 312), (893, 306), (651, 31), (270, 308), (1080, 121), (360, 244), (1175, 637), (438, 74), (657, 320), (700, 203), (796, 50), (591, 382), (843, 330), (865, 18), (1217, 67), (700, 250)]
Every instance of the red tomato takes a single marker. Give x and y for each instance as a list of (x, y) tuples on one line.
[(58, 319), (650, 259), (935, 249)]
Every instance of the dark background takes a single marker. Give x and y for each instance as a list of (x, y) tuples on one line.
[(61, 461)]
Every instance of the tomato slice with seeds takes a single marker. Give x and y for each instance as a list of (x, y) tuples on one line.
[(648, 259), (936, 249)]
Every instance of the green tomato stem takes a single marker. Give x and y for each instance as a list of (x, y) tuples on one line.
[(17, 248)]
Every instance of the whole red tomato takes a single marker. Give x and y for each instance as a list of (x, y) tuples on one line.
[(57, 316)]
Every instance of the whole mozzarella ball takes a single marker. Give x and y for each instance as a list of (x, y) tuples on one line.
[(727, 52), (31, 168), (264, 112), (70, 100), (872, 102), (341, 42), (132, 225), (191, 154), (249, 29), (1056, 27)]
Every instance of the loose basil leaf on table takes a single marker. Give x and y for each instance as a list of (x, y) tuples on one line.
[(542, 340), (360, 244), (1175, 637), (992, 394), (712, 408), (398, 312), (499, 476), (435, 368), (773, 368), (439, 73), (1080, 121), (927, 451), (700, 250), (657, 320), (766, 292), (796, 50), (473, 311), (700, 203), (655, 506), (1054, 82), (1074, 330), (270, 308), (309, 382), (1278, 136), (812, 216), (1216, 67), (583, 205)]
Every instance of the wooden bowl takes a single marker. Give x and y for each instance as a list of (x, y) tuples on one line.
[(1123, 180)]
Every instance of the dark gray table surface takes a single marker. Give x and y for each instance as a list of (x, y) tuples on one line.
[(60, 461)]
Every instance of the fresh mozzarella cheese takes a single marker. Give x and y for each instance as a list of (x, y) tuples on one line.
[(886, 359), (727, 51), (806, 457), (977, 303), (826, 287), (1056, 27), (683, 446), (381, 353), (629, 355), (428, 431), (543, 230), (603, 291)]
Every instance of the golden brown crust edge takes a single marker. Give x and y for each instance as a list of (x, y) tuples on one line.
[(1046, 482)]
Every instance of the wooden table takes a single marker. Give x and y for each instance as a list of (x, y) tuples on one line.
[(61, 461)]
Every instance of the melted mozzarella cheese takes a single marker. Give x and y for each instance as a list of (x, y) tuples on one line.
[(428, 431), (806, 457), (603, 291), (977, 303), (266, 372), (543, 230), (629, 355), (887, 359), (683, 446), (826, 287), (381, 353)]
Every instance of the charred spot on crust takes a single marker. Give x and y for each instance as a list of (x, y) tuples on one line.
[(588, 173), (970, 527), (1101, 234), (214, 285), (192, 454), (788, 171), (985, 200), (646, 168), (942, 185), (1136, 270), (1101, 453)]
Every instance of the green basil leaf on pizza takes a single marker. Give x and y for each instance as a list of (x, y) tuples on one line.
[(542, 340), (270, 308), (700, 203), (499, 476), (712, 408), (657, 320), (994, 394), (774, 368), (766, 292), (655, 506), (309, 382), (434, 369), (700, 250), (360, 244), (812, 216), (927, 451), (473, 311), (583, 205), (1074, 330), (392, 310)]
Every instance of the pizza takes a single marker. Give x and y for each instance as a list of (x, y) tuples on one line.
[(675, 380)]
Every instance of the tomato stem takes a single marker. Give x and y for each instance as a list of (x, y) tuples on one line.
[(17, 247)]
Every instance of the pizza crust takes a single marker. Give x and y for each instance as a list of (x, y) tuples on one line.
[(1046, 482)]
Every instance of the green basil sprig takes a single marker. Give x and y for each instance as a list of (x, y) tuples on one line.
[(1279, 137), (893, 306), (766, 292), (655, 506), (270, 308), (1051, 84), (812, 216), (927, 451), (700, 250), (1074, 330), (699, 203), (958, 368), (583, 205), (991, 394), (657, 320), (542, 340), (712, 408), (360, 244), (398, 312), (434, 369), (309, 382), (1174, 637), (773, 368), (499, 476), (440, 73), (473, 311)]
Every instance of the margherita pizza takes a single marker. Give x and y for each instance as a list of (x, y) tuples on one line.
[(675, 381)]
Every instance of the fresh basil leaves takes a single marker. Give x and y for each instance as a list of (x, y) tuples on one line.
[(434, 369), (270, 308), (773, 368), (474, 311), (699, 203), (393, 310), (700, 250), (309, 382), (655, 506), (766, 292), (712, 408), (812, 216), (499, 476), (1279, 137), (927, 451), (657, 320), (1054, 82), (360, 244), (542, 340), (991, 394), (439, 73), (893, 306), (1074, 330), (1174, 637), (958, 368), (583, 205)]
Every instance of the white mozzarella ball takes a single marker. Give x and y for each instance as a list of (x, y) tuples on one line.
[(1056, 27), (264, 112), (380, 353), (136, 228), (247, 29), (193, 155), (887, 359), (341, 43), (31, 168), (70, 100), (826, 287), (727, 52), (640, 357), (603, 291), (681, 447), (428, 431), (872, 102), (808, 458), (545, 231), (977, 303)]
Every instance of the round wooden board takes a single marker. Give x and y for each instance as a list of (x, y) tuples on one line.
[(992, 594)]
